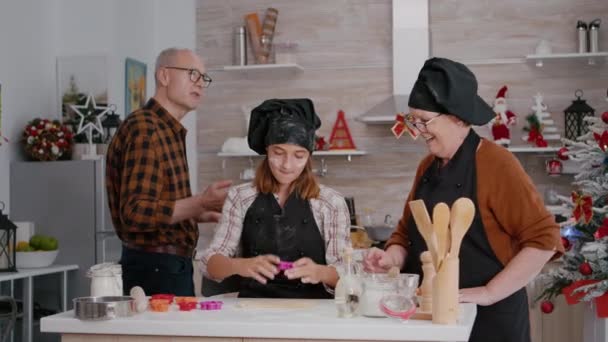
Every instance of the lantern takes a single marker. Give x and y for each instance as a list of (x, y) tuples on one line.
[(575, 126), (110, 125), (7, 243)]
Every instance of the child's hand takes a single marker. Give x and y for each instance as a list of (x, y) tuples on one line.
[(306, 270), (260, 268)]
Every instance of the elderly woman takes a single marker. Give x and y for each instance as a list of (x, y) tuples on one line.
[(284, 215), (512, 235)]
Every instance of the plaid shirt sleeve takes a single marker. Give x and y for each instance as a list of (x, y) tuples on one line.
[(228, 231), (141, 208), (334, 224)]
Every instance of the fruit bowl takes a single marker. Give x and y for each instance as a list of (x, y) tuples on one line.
[(35, 259)]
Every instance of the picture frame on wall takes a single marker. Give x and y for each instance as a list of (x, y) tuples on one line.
[(135, 85), (78, 76)]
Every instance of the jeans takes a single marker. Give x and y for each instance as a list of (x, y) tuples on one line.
[(156, 273)]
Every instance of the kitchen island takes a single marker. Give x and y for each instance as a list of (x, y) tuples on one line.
[(234, 322)]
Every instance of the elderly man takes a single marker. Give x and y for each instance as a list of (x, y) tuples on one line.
[(153, 210)]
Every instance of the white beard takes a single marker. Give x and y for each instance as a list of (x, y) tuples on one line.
[(500, 108)]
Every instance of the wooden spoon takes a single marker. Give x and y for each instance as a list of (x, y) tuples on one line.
[(441, 221), (461, 217), (425, 227)]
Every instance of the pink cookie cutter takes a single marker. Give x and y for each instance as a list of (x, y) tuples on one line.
[(212, 305), (285, 265)]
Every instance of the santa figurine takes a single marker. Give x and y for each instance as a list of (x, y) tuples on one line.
[(504, 119)]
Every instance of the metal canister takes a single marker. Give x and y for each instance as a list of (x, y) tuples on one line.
[(594, 29), (581, 29), (240, 46)]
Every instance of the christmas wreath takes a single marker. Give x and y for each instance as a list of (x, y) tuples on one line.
[(46, 140)]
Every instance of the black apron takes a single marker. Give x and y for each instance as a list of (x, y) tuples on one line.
[(290, 233), (504, 321)]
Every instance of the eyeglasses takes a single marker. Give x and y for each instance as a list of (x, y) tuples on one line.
[(419, 125), (195, 75)]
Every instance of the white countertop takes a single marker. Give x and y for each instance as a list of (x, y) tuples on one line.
[(316, 322)]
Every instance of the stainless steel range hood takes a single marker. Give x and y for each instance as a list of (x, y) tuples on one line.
[(410, 51)]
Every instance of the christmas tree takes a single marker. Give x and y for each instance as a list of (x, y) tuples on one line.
[(583, 273)]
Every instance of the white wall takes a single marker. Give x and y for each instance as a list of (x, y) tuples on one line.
[(27, 74), (33, 33)]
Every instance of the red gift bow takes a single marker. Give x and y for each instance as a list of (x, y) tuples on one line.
[(602, 140), (582, 207), (533, 135)]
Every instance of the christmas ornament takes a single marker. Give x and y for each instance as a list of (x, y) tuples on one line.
[(566, 243), (504, 118), (554, 167), (340, 138), (585, 269), (605, 117), (546, 307), (90, 115), (601, 231), (562, 153)]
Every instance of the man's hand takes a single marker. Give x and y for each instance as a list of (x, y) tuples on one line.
[(307, 271), (214, 196), (209, 216), (377, 261), (259, 268)]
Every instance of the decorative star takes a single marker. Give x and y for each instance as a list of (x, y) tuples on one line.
[(90, 108)]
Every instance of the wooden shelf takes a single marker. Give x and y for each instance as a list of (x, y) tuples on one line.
[(591, 57), (263, 68), (315, 154), (532, 149)]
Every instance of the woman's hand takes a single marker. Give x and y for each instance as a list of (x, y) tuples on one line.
[(377, 261), (478, 295), (307, 271), (259, 268)]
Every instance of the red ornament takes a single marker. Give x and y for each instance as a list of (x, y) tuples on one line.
[(546, 307), (602, 231), (566, 243), (605, 117), (561, 154), (585, 269), (554, 167)]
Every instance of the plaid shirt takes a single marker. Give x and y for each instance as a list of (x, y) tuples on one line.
[(330, 212), (146, 173)]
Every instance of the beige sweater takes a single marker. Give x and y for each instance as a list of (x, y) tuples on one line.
[(512, 211)]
